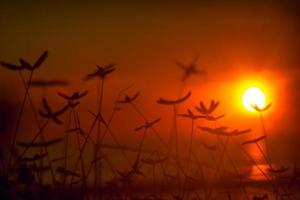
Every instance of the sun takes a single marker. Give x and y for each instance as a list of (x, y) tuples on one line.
[(253, 96)]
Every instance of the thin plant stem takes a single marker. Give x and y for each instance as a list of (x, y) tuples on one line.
[(45, 149), (189, 158), (98, 136), (141, 144), (176, 134), (265, 134), (33, 139), (35, 118), (237, 172), (218, 166), (88, 136), (146, 120), (19, 120), (252, 160), (77, 125), (202, 174), (154, 178), (113, 113), (66, 145), (269, 164)]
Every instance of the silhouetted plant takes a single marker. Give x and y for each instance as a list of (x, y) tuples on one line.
[(101, 73), (23, 178), (129, 99), (48, 83), (173, 102), (24, 65), (190, 69)]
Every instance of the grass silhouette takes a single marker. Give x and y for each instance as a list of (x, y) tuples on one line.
[(167, 169)]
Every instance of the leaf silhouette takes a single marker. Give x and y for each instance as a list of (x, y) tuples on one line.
[(76, 130), (212, 118), (207, 110), (50, 114), (12, 66), (258, 109), (34, 158), (40, 60), (191, 115), (129, 99), (173, 102), (255, 140), (66, 172), (239, 132), (154, 161), (148, 124), (222, 131), (26, 65), (40, 144), (49, 83), (74, 96)]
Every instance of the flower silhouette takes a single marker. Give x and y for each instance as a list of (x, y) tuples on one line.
[(189, 69), (101, 72), (148, 124), (50, 114), (26, 65), (207, 110), (258, 109), (129, 99)]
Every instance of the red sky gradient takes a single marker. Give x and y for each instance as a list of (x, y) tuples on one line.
[(237, 44)]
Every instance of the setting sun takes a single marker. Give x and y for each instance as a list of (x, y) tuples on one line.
[(253, 96), (106, 100)]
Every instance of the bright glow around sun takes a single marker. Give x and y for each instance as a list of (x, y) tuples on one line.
[(253, 96)]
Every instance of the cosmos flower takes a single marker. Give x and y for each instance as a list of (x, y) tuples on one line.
[(258, 109), (26, 65), (73, 99), (189, 69), (101, 72), (50, 114), (207, 110)]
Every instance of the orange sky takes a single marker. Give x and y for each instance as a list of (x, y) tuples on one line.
[(237, 43)]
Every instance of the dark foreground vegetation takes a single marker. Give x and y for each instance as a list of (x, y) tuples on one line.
[(36, 168)]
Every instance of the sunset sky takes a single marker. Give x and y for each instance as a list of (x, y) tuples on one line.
[(239, 44)]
